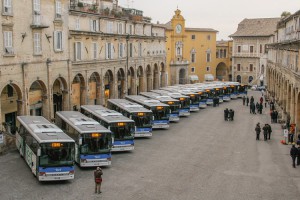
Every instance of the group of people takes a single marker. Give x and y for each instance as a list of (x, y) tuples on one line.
[(228, 114), (254, 107), (267, 130)]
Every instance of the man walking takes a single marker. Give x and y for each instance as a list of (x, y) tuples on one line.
[(294, 153), (269, 131), (260, 108), (298, 156), (247, 100), (257, 130), (252, 99), (226, 112), (244, 100), (98, 180), (266, 130)]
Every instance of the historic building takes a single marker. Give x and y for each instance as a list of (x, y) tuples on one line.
[(60, 54), (224, 60), (283, 68), (190, 51), (249, 57)]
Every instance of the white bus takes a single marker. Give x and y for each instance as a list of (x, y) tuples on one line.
[(141, 116), (92, 141), (47, 150), (122, 128), (160, 110)]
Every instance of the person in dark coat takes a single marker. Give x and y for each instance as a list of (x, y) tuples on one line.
[(244, 100), (226, 112), (257, 107), (253, 108), (272, 116), (269, 131), (231, 115), (266, 130), (252, 99), (247, 100), (257, 130), (260, 108), (272, 105), (275, 116), (294, 153), (298, 156)]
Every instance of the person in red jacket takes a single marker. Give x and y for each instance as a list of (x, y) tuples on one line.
[(98, 180)]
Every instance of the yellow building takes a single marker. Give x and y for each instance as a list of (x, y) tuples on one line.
[(224, 60), (191, 52)]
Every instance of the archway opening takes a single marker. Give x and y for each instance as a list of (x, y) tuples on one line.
[(221, 72), (109, 85), (182, 76), (250, 79), (121, 83), (60, 95), (239, 78), (38, 99), (94, 88), (78, 92)]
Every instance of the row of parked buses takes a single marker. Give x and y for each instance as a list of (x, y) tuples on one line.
[(88, 137)]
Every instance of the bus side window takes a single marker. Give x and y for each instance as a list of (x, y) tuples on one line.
[(32, 143), (22, 131)]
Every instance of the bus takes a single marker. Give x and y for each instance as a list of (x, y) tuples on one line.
[(210, 91), (202, 95), (141, 116), (232, 88), (47, 150), (219, 92), (184, 106), (160, 110), (92, 141), (122, 128), (242, 90), (173, 103)]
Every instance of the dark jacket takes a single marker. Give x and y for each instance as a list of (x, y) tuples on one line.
[(98, 173), (266, 129), (257, 129), (294, 151), (269, 128)]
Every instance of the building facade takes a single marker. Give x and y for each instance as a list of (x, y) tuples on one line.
[(224, 60), (60, 54), (190, 51), (249, 50), (283, 68)]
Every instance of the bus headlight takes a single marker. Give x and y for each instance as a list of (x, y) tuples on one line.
[(109, 159), (71, 172), (42, 173), (83, 160)]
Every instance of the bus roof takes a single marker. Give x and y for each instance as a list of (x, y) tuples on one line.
[(81, 123), (162, 98), (145, 101), (129, 106), (42, 130), (171, 94), (105, 114)]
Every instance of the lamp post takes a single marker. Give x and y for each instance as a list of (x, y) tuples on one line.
[(127, 62)]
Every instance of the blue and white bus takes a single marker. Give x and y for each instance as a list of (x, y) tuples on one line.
[(242, 90), (122, 128), (232, 88), (47, 150), (184, 109), (160, 110), (92, 141), (141, 116), (173, 103)]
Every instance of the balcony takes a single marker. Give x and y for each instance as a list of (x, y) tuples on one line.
[(37, 22), (179, 62), (248, 55)]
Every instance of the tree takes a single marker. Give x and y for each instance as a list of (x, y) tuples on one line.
[(285, 14)]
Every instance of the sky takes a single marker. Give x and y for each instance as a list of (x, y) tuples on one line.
[(221, 15)]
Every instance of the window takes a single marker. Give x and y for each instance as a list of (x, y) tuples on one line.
[(121, 50), (193, 57), (193, 37), (120, 28), (58, 9), (238, 67), (8, 47), (58, 41), (221, 53), (78, 51), (10, 91), (225, 53), (109, 51), (251, 49), (262, 69), (140, 49), (37, 44), (77, 24), (110, 27), (207, 56), (94, 25), (208, 37), (251, 67), (36, 6), (7, 7), (130, 29), (95, 51), (260, 49), (130, 50), (217, 54), (193, 69), (178, 51), (239, 49), (208, 69)]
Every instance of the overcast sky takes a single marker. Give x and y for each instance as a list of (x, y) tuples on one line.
[(222, 15)]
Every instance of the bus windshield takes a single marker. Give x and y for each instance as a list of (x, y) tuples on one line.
[(194, 99), (185, 103), (94, 143), (122, 131), (57, 154), (160, 113), (142, 119), (174, 107)]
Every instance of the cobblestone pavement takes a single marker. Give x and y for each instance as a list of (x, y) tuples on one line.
[(201, 157)]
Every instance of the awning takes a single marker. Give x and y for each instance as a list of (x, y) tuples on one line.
[(209, 77), (194, 78)]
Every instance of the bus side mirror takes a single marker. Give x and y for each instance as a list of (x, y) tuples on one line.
[(113, 140), (152, 117), (39, 152), (170, 111), (80, 141)]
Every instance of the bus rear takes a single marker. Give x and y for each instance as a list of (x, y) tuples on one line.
[(210, 96)]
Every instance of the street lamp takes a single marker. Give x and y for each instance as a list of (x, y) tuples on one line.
[(127, 62)]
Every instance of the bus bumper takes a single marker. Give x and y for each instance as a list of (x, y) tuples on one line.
[(226, 98), (202, 105), (174, 119), (156, 126), (93, 163), (194, 108), (55, 177), (122, 148)]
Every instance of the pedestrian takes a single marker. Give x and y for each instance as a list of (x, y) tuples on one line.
[(291, 133), (269, 131), (298, 140), (260, 108), (98, 179), (226, 112), (266, 130), (247, 100), (253, 108), (231, 115), (272, 105), (257, 130), (218, 101), (257, 107), (275, 116), (261, 100), (294, 153), (272, 113), (288, 121), (252, 99), (244, 100), (298, 156)]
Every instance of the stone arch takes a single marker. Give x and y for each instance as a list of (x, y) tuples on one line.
[(109, 85), (38, 99), (78, 92), (140, 78), (11, 106), (221, 71), (94, 89), (163, 78), (121, 83), (238, 78), (131, 85), (149, 78), (250, 79), (182, 76), (155, 77), (59, 95)]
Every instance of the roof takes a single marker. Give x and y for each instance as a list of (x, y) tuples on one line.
[(201, 29), (256, 27)]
